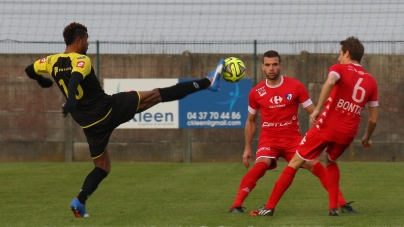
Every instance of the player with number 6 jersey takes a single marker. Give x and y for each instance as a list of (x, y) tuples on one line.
[(355, 89)]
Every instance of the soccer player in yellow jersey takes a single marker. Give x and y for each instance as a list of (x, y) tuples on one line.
[(95, 111)]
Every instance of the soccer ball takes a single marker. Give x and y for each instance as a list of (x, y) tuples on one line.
[(233, 69)]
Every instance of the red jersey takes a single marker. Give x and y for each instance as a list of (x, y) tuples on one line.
[(279, 107), (342, 111)]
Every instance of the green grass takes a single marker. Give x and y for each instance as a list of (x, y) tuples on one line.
[(197, 194)]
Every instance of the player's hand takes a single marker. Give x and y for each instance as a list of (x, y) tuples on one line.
[(67, 108), (45, 82), (366, 144), (247, 157), (313, 116)]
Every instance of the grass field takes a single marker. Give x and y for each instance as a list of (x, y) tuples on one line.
[(197, 194)]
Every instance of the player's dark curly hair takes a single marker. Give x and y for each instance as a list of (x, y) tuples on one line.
[(271, 54), (72, 31), (354, 46)]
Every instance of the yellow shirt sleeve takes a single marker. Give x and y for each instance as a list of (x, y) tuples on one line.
[(43, 66), (81, 64)]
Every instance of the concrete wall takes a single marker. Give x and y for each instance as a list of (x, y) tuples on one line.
[(32, 127)]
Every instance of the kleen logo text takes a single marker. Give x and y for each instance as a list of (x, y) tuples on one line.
[(156, 117)]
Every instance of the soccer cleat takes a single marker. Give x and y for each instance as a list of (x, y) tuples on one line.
[(236, 210), (262, 212), (214, 76), (333, 212), (346, 208), (78, 209)]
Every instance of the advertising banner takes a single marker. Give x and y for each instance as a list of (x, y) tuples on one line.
[(226, 108)]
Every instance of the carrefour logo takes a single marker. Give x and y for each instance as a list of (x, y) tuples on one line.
[(276, 99)]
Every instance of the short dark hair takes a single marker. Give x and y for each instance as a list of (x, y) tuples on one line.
[(354, 46), (271, 54), (72, 31)]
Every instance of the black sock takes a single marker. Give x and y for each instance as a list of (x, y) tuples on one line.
[(181, 90), (91, 183)]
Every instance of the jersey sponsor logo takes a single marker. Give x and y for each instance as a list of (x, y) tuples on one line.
[(80, 64), (264, 149), (288, 97), (57, 69), (82, 57), (261, 91), (276, 99), (275, 124), (349, 107), (42, 60)]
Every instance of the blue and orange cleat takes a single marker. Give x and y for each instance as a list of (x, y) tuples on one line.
[(215, 75), (78, 209)]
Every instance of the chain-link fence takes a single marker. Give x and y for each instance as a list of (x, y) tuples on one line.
[(33, 129)]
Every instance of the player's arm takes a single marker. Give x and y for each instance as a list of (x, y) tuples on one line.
[(372, 121), (325, 92), (309, 109), (42, 81), (249, 136), (71, 102)]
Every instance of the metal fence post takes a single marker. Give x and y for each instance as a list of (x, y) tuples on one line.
[(98, 73), (255, 58), (304, 78), (69, 139), (187, 133)]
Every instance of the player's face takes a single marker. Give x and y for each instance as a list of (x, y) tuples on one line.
[(272, 68), (83, 45), (343, 57)]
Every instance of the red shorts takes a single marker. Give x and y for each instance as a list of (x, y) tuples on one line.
[(277, 147), (313, 145)]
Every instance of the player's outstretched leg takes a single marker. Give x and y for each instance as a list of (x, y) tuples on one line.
[(78, 209), (181, 90), (214, 76)]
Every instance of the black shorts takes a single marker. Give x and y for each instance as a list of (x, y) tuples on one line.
[(124, 108)]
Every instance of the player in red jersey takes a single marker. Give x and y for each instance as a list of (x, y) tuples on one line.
[(277, 99), (344, 95)]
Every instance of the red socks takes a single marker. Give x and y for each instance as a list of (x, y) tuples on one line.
[(249, 181), (320, 171), (333, 177), (281, 185)]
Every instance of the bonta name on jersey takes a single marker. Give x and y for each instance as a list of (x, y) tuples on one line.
[(350, 107)]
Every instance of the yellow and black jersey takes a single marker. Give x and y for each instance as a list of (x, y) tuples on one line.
[(93, 104)]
